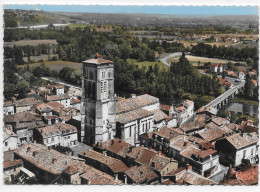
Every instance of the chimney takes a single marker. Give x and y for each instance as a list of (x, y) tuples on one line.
[(49, 147), (153, 164), (230, 173), (160, 153), (112, 141), (54, 160), (28, 149), (188, 167), (185, 143)]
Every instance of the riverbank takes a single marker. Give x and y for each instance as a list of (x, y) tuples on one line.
[(243, 100)]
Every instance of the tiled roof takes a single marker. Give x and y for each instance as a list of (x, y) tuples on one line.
[(8, 164), (8, 134), (141, 173), (165, 107), (115, 164), (159, 115), (115, 145), (232, 182), (138, 102), (133, 115), (209, 109), (211, 134), (30, 125), (43, 107), (145, 156), (74, 101), (180, 144), (242, 140), (233, 126), (167, 132), (252, 171), (192, 126), (219, 120), (193, 178), (27, 101), (206, 153), (54, 104), (8, 103), (58, 128), (158, 162), (56, 163), (248, 127), (189, 152), (196, 139), (57, 97), (22, 117)]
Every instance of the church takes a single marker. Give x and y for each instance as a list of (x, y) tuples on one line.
[(105, 116)]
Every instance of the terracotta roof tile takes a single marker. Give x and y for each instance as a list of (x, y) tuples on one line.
[(141, 173), (242, 140), (75, 100), (159, 115), (58, 128), (167, 132), (133, 115), (8, 164), (57, 97), (138, 102), (165, 107)]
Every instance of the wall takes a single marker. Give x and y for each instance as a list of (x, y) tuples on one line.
[(9, 110), (10, 144), (239, 154)]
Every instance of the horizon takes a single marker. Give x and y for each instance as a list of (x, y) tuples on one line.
[(154, 10)]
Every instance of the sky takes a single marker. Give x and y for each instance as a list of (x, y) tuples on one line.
[(172, 10)]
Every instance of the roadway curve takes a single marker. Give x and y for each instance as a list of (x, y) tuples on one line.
[(164, 59)]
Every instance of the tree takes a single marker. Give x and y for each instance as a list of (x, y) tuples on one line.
[(23, 87), (249, 87)]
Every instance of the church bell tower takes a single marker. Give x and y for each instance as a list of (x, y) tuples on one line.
[(98, 107)]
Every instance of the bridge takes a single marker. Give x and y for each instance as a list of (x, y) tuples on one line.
[(227, 96)]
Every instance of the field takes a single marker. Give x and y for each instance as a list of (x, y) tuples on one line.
[(31, 42), (147, 64), (56, 65), (194, 60)]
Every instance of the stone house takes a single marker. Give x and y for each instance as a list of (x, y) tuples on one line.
[(58, 89), (9, 108), (11, 169), (25, 105), (238, 147), (63, 99), (216, 68), (75, 103), (58, 134), (10, 141)]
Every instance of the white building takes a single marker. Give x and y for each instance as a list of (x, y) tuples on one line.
[(58, 134), (183, 111), (238, 147), (58, 90), (241, 75), (216, 68), (10, 141), (63, 99), (9, 108)]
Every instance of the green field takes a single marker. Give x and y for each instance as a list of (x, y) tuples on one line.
[(147, 64), (56, 65), (77, 25), (194, 60)]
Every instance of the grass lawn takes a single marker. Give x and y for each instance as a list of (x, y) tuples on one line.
[(147, 64), (245, 101), (194, 60), (56, 65)]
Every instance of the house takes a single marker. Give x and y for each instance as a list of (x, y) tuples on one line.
[(183, 111), (225, 83), (12, 169), (75, 103), (115, 148), (43, 109), (252, 74), (58, 89), (193, 127), (25, 105), (9, 108), (254, 82), (216, 68), (161, 139), (186, 176), (140, 175), (10, 141), (230, 74), (51, 166), (219, 121), (58, 134), (209, 111), (63, 99), (162, 120), (238, 147), (145, 139), (166, 108), (106, 164)]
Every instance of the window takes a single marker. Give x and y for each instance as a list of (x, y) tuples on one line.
[(91, 75), (143, 127), (101, 87), (109, 74), (252, 151), (68, 137), (105, 86), (103, 75), (244, 153), (130, 131), (6, 143), (52, 139)]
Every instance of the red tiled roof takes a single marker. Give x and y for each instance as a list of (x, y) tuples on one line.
[(206, 153), (27, 101), (138, 102), (219, 120), (133, 115), (141, 173), (8, 164), (189, 152), (22, 117), (57, 97), (159, 115), (252, 172), (242, 140), (145, 156), (211, 134), (75, 100), (165, 107), (146, 135), (8, 134), (55, 104), (158, 162), (58, 128), (167, 132)]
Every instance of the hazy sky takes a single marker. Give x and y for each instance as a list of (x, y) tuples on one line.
[(174, 10)]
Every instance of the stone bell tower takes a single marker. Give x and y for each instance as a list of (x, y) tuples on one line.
[(98, 107)]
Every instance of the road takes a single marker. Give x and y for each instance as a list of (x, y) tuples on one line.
[(164, 60), (60, 81)]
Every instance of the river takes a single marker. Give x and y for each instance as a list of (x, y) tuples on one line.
[(242, 108)]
